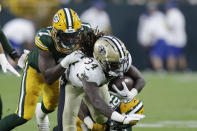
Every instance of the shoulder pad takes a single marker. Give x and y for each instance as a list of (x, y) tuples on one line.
[(43, 37)]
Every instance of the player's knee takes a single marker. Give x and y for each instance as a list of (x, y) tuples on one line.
[(51, 107)]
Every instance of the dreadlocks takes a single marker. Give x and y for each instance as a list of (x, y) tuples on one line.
[(87, 40)]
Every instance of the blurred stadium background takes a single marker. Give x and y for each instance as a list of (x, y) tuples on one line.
[(169, 98)]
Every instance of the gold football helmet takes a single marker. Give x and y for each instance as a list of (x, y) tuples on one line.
[(134, 106), (66, 29), (112, 55)]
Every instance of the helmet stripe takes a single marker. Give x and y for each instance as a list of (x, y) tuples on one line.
[(135, 108), (117, 44), (68, 18), (139, 109), (71, 18), (120, 46)]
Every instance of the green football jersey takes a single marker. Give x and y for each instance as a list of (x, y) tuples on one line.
[(45, 41)]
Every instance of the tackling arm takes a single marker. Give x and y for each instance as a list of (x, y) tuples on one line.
[(7, 47), (83, 112), (92, 91), (48, 67)]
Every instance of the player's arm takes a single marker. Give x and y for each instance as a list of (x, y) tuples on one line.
[(92, 91), (84, 115), (7, 47), (5, 64), (135, 74), (83, 112), (48, 67), (1, 49)]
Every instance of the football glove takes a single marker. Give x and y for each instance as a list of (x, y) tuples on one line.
[(88, 121), (71, 58), (125, 92), (21, 61), (6, 65), (125, 119)]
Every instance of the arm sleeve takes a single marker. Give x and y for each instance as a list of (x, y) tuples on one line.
[(5, 43)]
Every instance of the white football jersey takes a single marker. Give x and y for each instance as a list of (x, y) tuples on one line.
[(87, 68)]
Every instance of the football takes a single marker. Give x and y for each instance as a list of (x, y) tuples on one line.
[(118, 82)]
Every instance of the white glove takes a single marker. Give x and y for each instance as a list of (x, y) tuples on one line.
[(6, 65), (21, 61), (132, 117), (88, 121), (71, 58), (125, 92), (125, 119)]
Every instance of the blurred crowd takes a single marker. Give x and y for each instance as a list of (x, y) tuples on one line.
[(164, 36), (130, 2), (157, 31)]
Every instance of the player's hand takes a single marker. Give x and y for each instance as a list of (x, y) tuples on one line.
[(88, 122), (125, 92), (125, 119), (6, 65), (132, 117), (21, 61), (69, 59)]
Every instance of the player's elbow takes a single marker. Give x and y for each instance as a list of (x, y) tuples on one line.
[(143, 82)]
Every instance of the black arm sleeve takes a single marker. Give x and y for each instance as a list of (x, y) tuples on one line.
[(5, 43)]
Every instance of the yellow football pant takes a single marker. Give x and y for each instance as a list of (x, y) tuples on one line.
[(32, 86)]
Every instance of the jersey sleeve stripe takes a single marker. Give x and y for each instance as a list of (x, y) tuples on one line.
[(40, 44)]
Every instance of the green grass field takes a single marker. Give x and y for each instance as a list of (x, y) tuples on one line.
[(169, 101)]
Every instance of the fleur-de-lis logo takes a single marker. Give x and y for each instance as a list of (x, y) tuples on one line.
[(84, 76), (102, 50)]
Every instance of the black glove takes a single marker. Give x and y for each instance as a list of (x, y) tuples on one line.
[(14, 55)]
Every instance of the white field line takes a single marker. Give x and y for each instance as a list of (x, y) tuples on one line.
[(169, 124)]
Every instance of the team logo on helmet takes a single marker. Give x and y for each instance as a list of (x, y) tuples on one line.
[(56, 18), (101, 50)]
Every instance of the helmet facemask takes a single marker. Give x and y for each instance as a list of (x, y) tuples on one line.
[(67, 40), (116, 68)]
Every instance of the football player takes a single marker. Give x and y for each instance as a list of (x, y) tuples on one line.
[(122, 106), (4, 44), (102, 58), (43, 67)]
